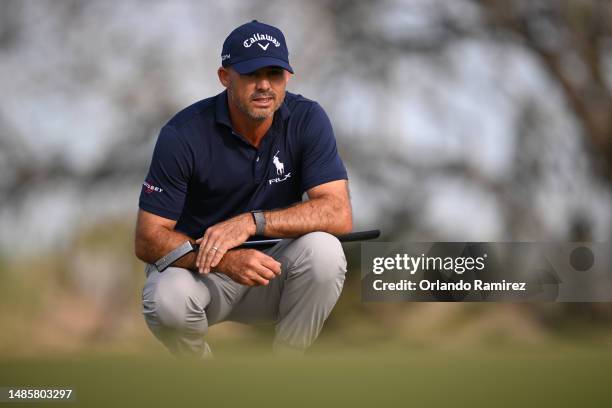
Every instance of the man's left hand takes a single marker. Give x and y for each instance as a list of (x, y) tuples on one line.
[(220, 238)]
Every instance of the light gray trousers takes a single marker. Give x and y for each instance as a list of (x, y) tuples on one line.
[(179, 305)]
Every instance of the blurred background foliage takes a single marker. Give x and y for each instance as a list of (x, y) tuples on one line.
[(458, 120)]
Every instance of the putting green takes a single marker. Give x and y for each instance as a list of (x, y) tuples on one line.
[(394, 377)]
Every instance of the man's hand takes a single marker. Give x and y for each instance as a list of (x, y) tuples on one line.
[(249, 267), (222, 237)]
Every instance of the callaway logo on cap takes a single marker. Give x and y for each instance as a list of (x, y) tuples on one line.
[(253, 46)]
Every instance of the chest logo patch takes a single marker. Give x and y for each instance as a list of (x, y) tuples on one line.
[(280, 170), (280, 167)]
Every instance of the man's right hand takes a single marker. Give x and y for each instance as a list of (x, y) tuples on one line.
[(249, 267)]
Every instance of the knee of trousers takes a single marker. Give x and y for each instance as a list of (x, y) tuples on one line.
[(323, 257), (177, 301)]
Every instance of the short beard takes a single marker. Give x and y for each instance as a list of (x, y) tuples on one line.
[(258, 115)]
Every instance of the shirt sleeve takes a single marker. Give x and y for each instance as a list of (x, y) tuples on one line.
[(321, 162), (165, 187)]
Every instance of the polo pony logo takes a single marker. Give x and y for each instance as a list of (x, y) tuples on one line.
[(280, 167), (280, 171)]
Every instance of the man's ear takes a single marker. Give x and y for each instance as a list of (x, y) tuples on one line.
[(223, 76)]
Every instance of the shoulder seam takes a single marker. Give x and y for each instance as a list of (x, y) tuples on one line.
[(180, 123)]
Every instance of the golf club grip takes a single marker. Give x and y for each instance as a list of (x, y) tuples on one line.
[(359, 236), (350, 237)]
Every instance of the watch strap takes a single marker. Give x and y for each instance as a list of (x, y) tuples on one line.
[(260, 222)]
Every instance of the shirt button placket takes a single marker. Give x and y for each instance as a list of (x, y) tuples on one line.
[(257, 168)]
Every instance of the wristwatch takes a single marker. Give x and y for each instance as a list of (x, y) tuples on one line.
[(260, 222), (174, 255)]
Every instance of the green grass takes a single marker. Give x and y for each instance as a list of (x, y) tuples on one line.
[(564, 376)]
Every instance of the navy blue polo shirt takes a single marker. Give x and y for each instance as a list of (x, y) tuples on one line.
[(202, 172)]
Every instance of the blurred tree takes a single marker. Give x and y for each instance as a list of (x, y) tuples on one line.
[(573, 41)]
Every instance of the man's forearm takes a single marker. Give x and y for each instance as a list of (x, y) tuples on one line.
[(328, 214), (160, 241)]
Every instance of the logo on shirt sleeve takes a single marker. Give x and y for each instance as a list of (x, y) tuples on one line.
[(150, 188), (280, 170)]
